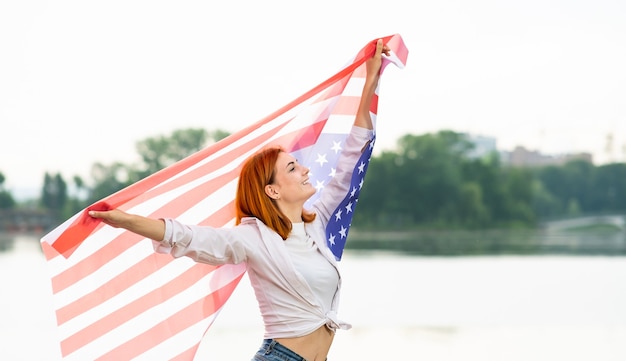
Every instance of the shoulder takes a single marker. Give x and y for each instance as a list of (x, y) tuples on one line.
[(252, 225)]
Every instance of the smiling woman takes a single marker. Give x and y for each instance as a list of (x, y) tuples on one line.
[(300, 317), (280, 230), (278, 175)]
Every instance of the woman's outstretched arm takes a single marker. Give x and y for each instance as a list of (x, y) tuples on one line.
[(373, 65), (147, 227)]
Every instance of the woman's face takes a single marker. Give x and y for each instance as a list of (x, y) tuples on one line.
[(291, 180)]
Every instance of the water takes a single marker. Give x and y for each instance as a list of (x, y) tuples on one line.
[(411, 308)]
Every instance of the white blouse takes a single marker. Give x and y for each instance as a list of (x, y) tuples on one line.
[(317, 271), (293, 297)]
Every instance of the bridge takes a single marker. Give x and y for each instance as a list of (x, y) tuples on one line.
[(617, 220), (26, 221)]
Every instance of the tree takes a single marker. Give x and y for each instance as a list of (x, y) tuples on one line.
[(572, 184), (76, 201), (156, 153), (54, 194), (608, 191), (432, 180), (545, 204), (519, 196), (380, 202), (6, 199), (109, 179), (162, 151), (422, 183), (472, 211)]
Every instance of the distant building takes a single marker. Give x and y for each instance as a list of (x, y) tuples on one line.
[(521, 156)]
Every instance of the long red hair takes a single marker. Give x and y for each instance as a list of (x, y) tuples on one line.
[(251, 201)]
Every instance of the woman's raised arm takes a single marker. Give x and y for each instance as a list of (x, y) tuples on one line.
[(373, 65)]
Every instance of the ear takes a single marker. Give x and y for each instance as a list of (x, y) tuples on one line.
[(271, 191)]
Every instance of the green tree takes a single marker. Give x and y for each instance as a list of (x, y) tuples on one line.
[(76, 201), (156, 153), (472, 211), (380, 203), (162, 151), (421, 183), (545, 204), (572, 184), (54, 194), (6, 199), (433, 180), (486, 173), (519, 196), (109, 179), (218, 134), (608, 191)]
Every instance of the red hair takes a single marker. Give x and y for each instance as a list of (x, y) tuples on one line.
[(252, 201)]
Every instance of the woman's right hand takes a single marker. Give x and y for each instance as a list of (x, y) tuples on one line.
[(372, 66), (147, 227), (114, 218), (374, 63)]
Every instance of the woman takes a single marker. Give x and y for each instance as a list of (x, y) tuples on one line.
[(293, 273)]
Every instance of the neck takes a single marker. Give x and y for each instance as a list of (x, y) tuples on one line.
[(293, 212)]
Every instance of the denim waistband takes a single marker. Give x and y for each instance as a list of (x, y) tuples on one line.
[(271, 346)]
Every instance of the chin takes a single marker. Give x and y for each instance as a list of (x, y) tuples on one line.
[(311, 191)]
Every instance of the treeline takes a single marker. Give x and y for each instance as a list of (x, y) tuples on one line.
[(61, 197), (427, 181), (430, 181)]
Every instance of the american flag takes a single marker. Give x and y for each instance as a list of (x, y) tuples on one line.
[(117, 299), (326, 152)]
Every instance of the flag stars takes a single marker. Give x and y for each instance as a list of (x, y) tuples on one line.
[(343, 232), (332, 173), (338, 215), (361, 167), (321, 159), (336, 147), (339, 224), (349, 208), (319, 185)]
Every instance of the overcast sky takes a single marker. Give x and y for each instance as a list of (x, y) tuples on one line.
[(82, 81)]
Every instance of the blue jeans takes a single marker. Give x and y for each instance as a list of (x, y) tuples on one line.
[(273, 351)]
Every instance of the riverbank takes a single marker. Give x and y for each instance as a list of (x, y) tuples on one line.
[(590, 235), (597, 235)]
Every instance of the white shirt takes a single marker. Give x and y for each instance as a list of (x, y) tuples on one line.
[(289, 305), (318, 272)]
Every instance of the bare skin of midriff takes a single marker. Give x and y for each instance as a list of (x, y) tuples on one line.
[(313, 347)]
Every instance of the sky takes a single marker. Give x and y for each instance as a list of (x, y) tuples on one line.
[(82, 81)]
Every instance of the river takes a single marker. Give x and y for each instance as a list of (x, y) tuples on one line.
[(492, 308)]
